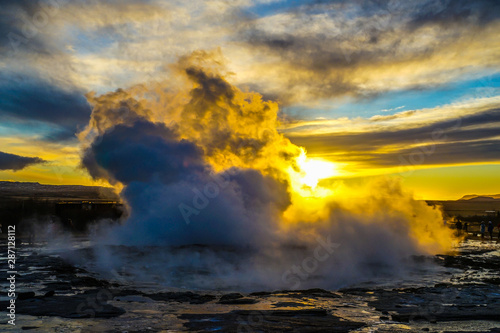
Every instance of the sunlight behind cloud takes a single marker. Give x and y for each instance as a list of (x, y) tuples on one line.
[(312, 170)]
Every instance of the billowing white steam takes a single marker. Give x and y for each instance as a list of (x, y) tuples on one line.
[(203, 172)]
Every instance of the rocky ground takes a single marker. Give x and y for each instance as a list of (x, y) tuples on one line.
[(56, 296)]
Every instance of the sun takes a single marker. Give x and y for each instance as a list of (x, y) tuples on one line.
[(312, 170), (315, 170)]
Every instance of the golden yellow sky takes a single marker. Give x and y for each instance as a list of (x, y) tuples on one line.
[(401, 89)]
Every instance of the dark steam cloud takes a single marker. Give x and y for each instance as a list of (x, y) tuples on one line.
[(143, 152), (175, 197)]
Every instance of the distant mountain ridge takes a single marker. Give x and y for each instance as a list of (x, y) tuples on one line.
[(42, 191), (475, 197)]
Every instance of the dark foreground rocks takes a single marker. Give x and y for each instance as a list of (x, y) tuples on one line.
[(181, 297), (472, 294), (74, 306), (236, 298), (444, 302), (467, 293), (313, 320)]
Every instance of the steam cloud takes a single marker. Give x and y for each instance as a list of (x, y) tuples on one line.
[(201, 165)]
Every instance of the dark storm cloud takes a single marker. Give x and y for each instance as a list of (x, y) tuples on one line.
[(468, 139), (164, 177), (16, 162), (27, 99)]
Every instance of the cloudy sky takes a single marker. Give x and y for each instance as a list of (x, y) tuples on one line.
[(404, 88)]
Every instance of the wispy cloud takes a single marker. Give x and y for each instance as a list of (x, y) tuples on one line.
[(451, 134), (361, 48), (393, 109), (296, 55)]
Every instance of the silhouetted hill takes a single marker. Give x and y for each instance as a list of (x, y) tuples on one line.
[(476, 197), (25, 190), (469, 205)]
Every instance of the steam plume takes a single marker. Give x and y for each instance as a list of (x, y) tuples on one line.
[(199, 161)]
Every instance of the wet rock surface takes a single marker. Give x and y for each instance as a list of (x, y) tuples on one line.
[(181, 297), (470, 295), (236, 298), (300, 294), (445, 302), (314, 320), (55, 295), (75, 306)]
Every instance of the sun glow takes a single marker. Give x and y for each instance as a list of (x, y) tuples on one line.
[(311, 171)]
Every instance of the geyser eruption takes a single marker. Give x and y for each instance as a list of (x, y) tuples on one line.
[(201, 163)]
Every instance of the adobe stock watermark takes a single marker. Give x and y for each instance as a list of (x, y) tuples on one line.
[(201, 198), (34, 24), (419, 155), (246, 150), (300, 273)]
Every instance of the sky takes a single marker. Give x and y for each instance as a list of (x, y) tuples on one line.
[(409, 89)]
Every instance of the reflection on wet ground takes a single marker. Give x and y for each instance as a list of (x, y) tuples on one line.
[(445, 293)]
